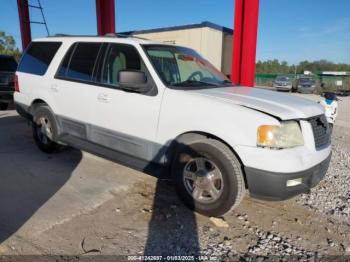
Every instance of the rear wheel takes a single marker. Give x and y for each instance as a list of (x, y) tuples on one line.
[(208, 177), (4, 106), (45, 129)]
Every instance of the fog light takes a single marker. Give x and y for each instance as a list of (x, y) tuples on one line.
[(294, 182)]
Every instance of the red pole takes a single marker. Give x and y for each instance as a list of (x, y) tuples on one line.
[(237, 43), (24, 22), (245, 41), (105, 15)]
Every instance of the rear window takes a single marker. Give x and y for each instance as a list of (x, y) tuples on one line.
[(8, 64), (38, 57), (80, 65)]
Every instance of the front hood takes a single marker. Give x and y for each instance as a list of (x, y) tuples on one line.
[(283, 106)]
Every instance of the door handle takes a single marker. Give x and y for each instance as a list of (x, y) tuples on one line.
[(54, 88), (103, 98)]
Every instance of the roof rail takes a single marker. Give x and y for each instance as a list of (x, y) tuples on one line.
[(106, 35), (67, 35), (123, 36)]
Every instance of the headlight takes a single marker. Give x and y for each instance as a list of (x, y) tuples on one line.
[(287, 134)]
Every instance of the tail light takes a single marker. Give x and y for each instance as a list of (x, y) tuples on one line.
[(16, 84)]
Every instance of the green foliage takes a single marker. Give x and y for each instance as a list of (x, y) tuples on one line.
[(276, 67), (322, 65), (273, 67), (8, 46)]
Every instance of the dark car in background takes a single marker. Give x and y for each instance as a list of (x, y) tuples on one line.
[(8, 66), (283, 83), (306, 85)]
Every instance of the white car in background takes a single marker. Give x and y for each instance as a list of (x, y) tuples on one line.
[(283, 83), (149, 104)]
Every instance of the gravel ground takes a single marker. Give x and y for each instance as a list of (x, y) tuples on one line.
[(148, 218), (332, 195)]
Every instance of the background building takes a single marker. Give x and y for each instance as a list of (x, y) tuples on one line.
[(212, 41)]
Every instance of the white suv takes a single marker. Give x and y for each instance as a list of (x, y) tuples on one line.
[(149, 104)]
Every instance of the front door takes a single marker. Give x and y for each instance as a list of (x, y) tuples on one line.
[(125, 121)]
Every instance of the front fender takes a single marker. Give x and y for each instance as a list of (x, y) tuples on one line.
[(184, 112)]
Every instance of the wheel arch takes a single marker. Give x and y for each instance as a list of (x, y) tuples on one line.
[(191, 136), (40, 102), (37, 102)]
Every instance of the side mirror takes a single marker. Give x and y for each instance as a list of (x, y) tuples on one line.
[(133, 81)]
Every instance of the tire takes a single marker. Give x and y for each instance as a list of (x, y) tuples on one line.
[(45, 139), (4, 106), (229, 192)]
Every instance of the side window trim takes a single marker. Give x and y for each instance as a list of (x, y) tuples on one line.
[(99, 67)]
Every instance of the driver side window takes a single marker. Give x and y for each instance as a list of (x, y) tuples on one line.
[(120, 57)]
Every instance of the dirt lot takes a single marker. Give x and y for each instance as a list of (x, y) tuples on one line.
[(74, 203)]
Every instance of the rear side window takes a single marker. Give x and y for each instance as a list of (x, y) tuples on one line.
[(65, 63), (38, 57), (82, 62)]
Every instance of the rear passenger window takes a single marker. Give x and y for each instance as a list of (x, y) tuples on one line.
[(38, 57), (64, 65), (83, 61)]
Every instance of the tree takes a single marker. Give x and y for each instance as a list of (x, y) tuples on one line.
[(8, 46), (273, 67), (276, 67)]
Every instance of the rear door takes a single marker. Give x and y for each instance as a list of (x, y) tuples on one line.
[(73, 87)]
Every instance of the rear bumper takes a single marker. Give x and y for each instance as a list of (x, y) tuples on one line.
[(273, 186)]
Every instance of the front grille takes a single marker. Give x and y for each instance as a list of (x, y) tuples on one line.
[(321, 131)]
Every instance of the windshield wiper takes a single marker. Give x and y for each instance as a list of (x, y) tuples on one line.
[(194, 82), (226, 82)]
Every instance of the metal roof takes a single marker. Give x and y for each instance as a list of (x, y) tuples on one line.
[(182, 27)]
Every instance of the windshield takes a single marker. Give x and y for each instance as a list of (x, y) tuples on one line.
[(183, 67), (282, 78), (306, 80), (8, 64)]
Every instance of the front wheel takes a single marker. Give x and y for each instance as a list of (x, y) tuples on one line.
[(208, 177)]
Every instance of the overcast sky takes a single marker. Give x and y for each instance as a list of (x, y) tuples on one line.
[(288, 30)]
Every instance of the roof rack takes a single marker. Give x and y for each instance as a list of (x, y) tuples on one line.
[(67, 35), (123, 36), (106, 35)]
